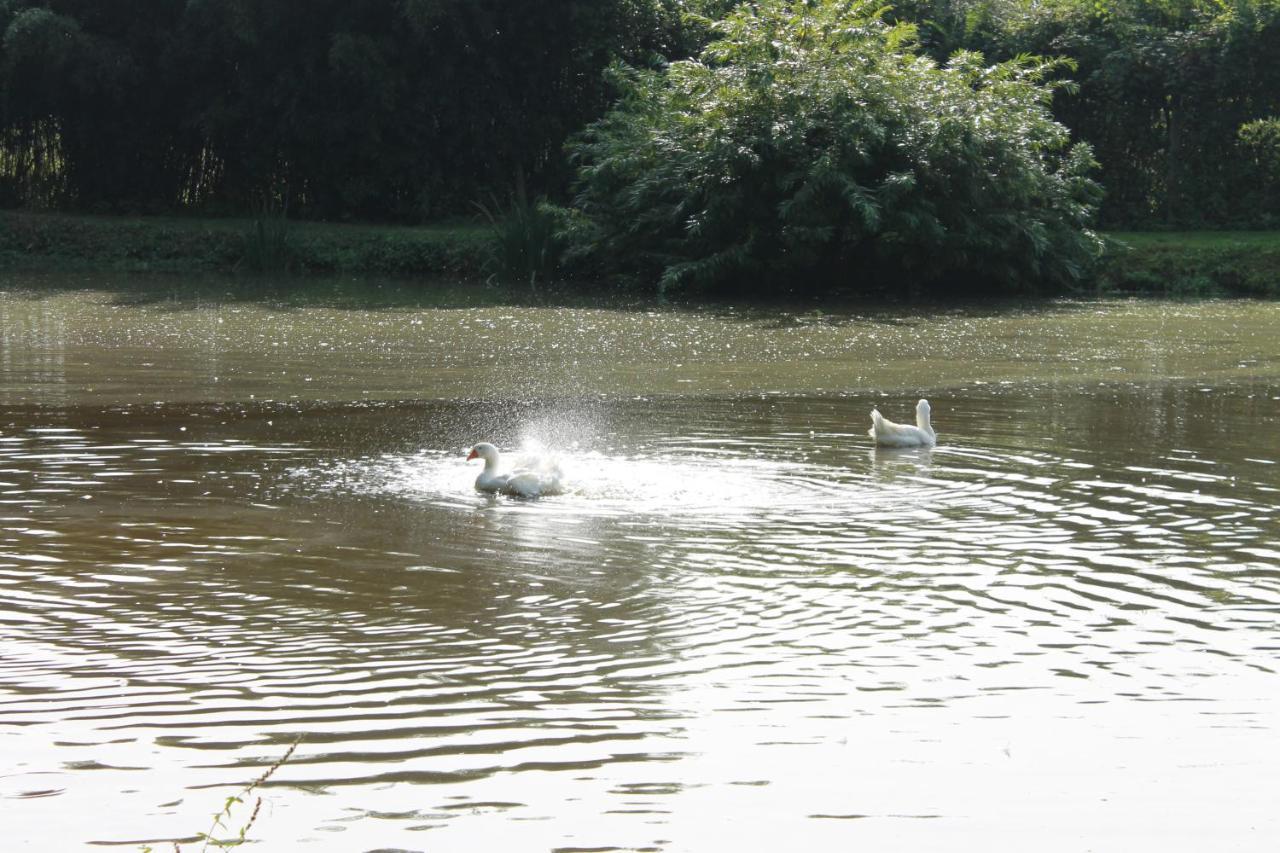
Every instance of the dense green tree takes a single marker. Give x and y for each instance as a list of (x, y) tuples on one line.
[(1164, 86), (92, 75), (377, 109), (811, 142), (412, 109)]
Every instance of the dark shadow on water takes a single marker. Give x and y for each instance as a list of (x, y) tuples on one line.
[(181, 292), (356, 293)]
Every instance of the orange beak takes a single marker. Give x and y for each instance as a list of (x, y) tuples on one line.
[(473, 455)]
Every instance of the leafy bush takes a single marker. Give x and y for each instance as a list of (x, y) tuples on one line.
[(810, 142), (1261, 142), (1262, 139)]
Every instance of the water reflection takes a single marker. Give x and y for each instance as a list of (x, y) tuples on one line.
[(888, 462), (97, 349)]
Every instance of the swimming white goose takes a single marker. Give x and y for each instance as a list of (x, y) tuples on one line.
[(888, 434), (523, 483)]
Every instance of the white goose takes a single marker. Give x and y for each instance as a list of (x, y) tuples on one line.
[(888, 434), (522, 483)]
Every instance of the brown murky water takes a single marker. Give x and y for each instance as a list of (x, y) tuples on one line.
[(227, 523)]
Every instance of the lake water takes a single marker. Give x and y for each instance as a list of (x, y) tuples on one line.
[(229, 523)]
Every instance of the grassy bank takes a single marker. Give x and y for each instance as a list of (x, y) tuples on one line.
[(1203, 263), (32, 241), (1192, 263)]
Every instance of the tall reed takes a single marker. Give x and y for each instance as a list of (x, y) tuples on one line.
[(268, 246), (526, 241)]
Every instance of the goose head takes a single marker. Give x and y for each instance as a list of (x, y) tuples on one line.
[(486, 451), (922, 416)]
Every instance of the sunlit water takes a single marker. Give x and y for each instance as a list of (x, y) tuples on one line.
[(227, 524)]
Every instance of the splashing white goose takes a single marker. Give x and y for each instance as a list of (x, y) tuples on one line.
[(888, 434), (519, 482)]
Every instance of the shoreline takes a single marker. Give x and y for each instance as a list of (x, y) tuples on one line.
[(1154, 263), (60, 242)]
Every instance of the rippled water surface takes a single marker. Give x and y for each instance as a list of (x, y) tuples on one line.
[(229, 523)]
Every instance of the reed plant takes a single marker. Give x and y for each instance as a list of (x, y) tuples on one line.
[(268, 244), (527, 245)]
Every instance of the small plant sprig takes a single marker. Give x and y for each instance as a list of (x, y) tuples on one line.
[(221, 819)]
